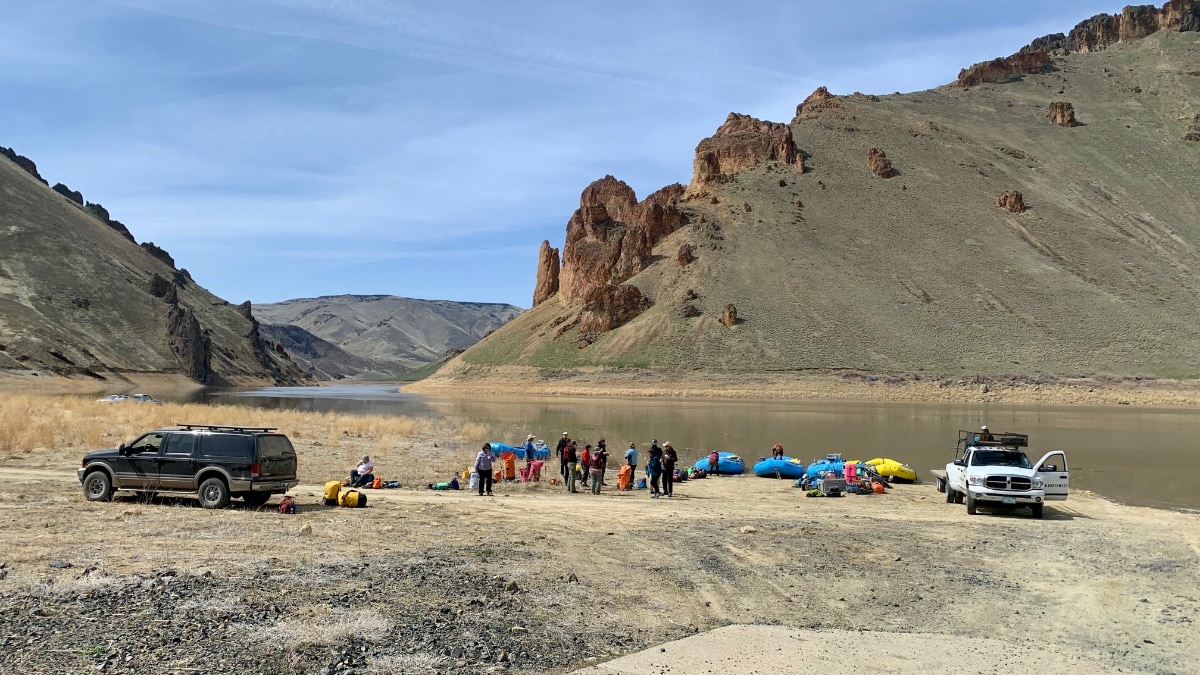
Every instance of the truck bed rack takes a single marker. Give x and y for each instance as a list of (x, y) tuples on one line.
[(224, 427)]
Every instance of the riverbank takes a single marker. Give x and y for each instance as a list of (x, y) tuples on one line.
[(538, 580), (469, 381)]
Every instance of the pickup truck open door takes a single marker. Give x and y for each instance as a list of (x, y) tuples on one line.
[(1052, 469)]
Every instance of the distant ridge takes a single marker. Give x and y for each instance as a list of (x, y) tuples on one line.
[(377, 336)]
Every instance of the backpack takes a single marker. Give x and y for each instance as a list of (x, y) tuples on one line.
[(377, 483), (288, 505)]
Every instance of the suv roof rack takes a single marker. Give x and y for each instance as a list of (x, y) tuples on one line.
[(222, 427)]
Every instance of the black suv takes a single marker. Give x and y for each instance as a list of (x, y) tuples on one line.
[(214, 462)]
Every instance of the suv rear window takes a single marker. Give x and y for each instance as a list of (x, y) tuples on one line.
[(275, 446), (225, 445)]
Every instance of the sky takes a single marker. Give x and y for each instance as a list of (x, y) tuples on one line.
[(295, 148)]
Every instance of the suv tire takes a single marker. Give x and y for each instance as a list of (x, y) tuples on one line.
[(256, 499), (1038, 510), (971, 508), (213, 494), (97, 487)]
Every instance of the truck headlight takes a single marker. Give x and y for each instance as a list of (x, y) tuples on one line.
[(973, 480), (1038, 483)]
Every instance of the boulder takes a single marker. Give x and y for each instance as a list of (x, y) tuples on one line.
[(685, 255), (1011, 201), (1062, 113), (608, 307), (879, 164), (547, 274), (740, 143), (729, 315)]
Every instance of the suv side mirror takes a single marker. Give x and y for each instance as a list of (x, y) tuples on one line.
[(960, 462), (123, 449), (1049, 467)]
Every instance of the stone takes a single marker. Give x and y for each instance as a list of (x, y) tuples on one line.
[(729, 315), (1062, 113), (1011, 201), (160, 287), (609, 307), (190, 344), (511, 587), (67, 192), (685, 255), (306, 530), (879, 164), (739, 144), (60, 564), (547, 274)]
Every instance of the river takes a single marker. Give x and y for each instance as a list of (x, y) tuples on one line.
[(1133, 455)]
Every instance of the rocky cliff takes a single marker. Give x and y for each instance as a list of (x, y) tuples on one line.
[(1039, 216), (79, 297)]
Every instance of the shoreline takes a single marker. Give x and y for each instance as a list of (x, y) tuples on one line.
[(832, 386)]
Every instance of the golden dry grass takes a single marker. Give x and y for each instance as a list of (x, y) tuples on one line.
[(323, 625)]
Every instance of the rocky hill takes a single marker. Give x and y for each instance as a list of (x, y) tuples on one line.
[(376, 336), (1039, 214), (80, 297)]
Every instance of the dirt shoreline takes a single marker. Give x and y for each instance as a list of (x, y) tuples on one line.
[(538, 580), (847, 386)]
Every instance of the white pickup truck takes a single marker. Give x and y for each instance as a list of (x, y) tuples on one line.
[(997, 473)]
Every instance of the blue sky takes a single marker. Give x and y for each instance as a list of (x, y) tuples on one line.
[(293, 148)]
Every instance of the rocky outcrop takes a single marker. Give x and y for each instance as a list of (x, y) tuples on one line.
[(685, 255), (817, 101), (740, 143), (879, 164), (103, 216), (24, 162), (547, 274), (190, 344), (729, 315), (1011, 201), (607, 307), (159, 253), (609, 239), (1193, 131), (1005, 69), (73, 195), (161, 288), (1062, 113)]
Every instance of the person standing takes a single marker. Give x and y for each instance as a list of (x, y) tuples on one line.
[(654, 469), (585, 462), (572, 459), (560, 451), (714, 463), (631, 461), (985, 436), (483, 466), (601, 451), (597, 471), (669, 458)]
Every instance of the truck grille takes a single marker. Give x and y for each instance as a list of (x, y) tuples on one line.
[(1007, 483)]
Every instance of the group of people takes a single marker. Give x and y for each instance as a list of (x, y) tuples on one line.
[(587, 467)]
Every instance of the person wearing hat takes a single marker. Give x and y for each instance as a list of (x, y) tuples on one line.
[(985, 436), (560, 451), (654, 468), (529, 450), (601, 451), (668, 461)]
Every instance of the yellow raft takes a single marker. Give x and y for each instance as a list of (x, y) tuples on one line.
[(893, 469)]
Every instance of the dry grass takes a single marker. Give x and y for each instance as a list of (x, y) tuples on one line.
[(321, 625)]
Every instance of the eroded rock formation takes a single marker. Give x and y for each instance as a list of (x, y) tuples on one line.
[(817, 101), (1062, 113), (607, 307), (24, 162), (73, 195), (1005, 69), (740, 143), (157, 252), (547, 274), (190, 344), (103, 216), (879, 164), (685, 255), (1011, 201), (160, 287), (729, 315)]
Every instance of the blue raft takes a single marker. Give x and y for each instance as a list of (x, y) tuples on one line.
[(787, 467), (729, 464), (833, 463), (499, 448)]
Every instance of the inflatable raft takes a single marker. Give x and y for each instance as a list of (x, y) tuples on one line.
[(832, 463), (729, 464), (499, 448), (890, 468), (787, 467)]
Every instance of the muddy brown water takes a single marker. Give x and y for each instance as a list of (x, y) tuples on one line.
[(1137, 456)]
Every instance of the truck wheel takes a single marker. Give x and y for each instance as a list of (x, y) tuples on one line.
[(213, 494), (949, 494), (971, 508), (1038, 510), (97, 487)]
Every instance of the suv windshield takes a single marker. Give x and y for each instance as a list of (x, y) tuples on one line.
[(1014, 458)]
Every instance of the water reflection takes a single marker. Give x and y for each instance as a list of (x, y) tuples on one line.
[(1133, 455)]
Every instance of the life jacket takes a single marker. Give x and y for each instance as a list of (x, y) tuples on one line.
[(585, 458)]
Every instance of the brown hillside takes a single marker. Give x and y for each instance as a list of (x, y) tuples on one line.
[(894, 243), (79, 297)]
